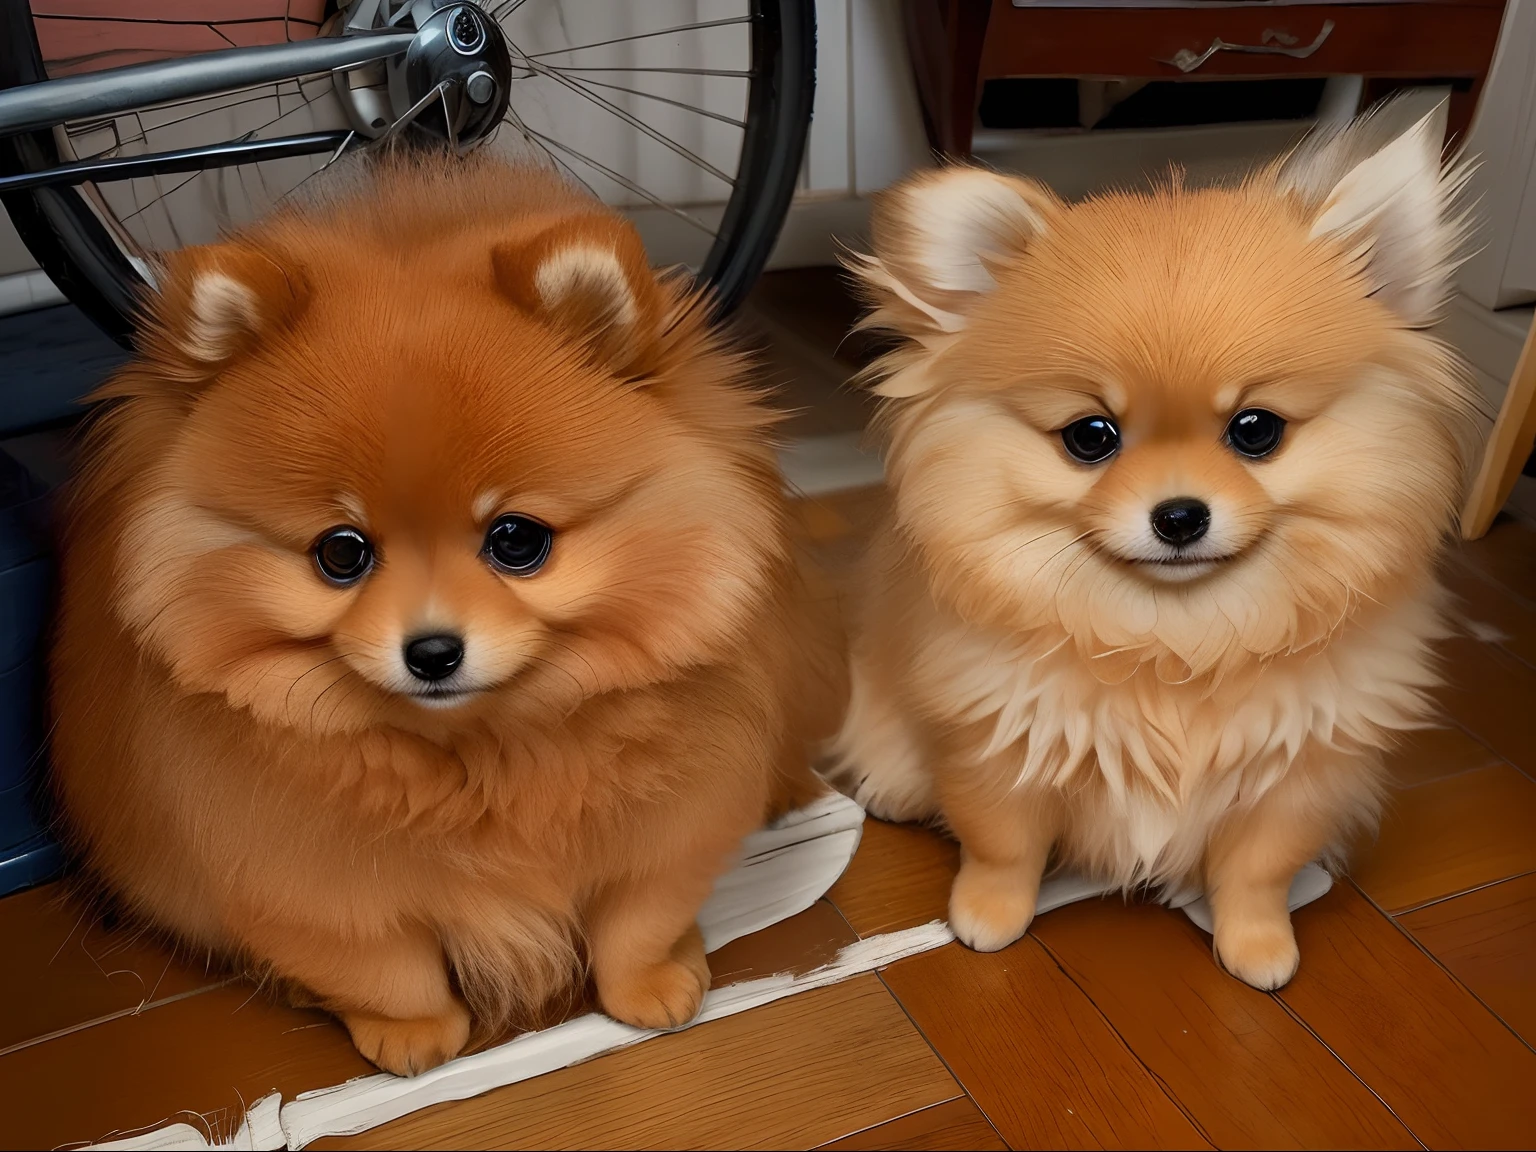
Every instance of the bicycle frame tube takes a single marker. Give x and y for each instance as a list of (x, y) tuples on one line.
[(34, 106)]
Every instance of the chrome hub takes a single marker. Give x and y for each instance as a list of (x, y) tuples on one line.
[(452, 84)]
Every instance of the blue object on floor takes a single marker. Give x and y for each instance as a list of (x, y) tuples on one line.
[(51, 358), (27, 854)]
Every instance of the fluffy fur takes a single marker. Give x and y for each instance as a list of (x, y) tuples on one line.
[(1030, 667), (241, 753)]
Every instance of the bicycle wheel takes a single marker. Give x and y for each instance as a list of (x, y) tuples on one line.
[(689, 115)]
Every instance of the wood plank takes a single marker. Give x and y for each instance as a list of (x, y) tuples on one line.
[(899, 878), (792, 1074), (244, 1033), (838, 525), (1449, 1069), (804, 941), (1435, 753), (1506, 555), (1034, 1052), (1491, 612), (1450, 836), (848, 512), (62, 967), (820, 520), (1236, 1061), (199, 1060), (955, 1124), (1487, 939), (1489, 693)]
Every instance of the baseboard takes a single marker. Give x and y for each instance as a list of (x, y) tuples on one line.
[(817, 228)]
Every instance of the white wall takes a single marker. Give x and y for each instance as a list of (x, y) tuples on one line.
[(1502, 271), (868, 127), (866, 131)]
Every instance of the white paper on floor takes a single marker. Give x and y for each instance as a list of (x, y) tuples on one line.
[(259, 1131), (1311, 883), (784, 869)]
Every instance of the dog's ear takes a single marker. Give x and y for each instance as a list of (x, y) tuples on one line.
[(1382, 191), (588, 277), (937, 239), (216, 300)]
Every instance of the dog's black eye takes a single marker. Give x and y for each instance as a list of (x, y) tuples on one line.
[(343, 555), (1255, 432), (518, 545), (1091, 439)]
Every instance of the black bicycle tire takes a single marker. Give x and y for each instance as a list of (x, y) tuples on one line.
[(57, 226), (74, 248), (766, 177)]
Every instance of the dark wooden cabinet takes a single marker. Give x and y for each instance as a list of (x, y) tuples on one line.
[(958, 45)]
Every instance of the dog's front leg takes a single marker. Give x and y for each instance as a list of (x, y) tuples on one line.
[(1006, 833), (647, 954), (391, 991), (1254, 855)]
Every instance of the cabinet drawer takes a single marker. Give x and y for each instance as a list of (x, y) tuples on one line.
[(1381, 39)]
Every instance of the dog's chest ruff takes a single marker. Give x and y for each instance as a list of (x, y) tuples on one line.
[(1156, 766)]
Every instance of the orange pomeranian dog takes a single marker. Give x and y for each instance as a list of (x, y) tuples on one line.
[(429, 613), (1171, 473)]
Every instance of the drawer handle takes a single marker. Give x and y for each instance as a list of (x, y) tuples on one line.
[(1274, 44)]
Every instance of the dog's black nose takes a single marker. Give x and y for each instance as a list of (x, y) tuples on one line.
[(1181, 521), (433, 657)]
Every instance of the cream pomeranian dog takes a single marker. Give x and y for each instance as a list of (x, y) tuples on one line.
[(1171, 472)]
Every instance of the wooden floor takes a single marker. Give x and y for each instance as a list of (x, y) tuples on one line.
[(1410, 1023)]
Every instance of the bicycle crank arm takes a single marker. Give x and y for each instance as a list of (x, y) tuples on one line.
[(182, 160), (108, 93)]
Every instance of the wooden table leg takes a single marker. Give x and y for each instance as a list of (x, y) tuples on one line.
[(1509, 446), (944, 39)]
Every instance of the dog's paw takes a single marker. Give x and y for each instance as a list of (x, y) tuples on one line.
[(409, 1047), (990, 907), (1261, 953), (665, 995)]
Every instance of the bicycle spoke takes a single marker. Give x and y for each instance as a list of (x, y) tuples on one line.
[(502, 11), (248, 135), (646, 35), (268, 90), (409, 116), (142, 136), (453, 132), (335, 156), (79, 129), (146, 207), (634, 122), (670, 71), (626, 182), (527, 134), (589, 83)]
